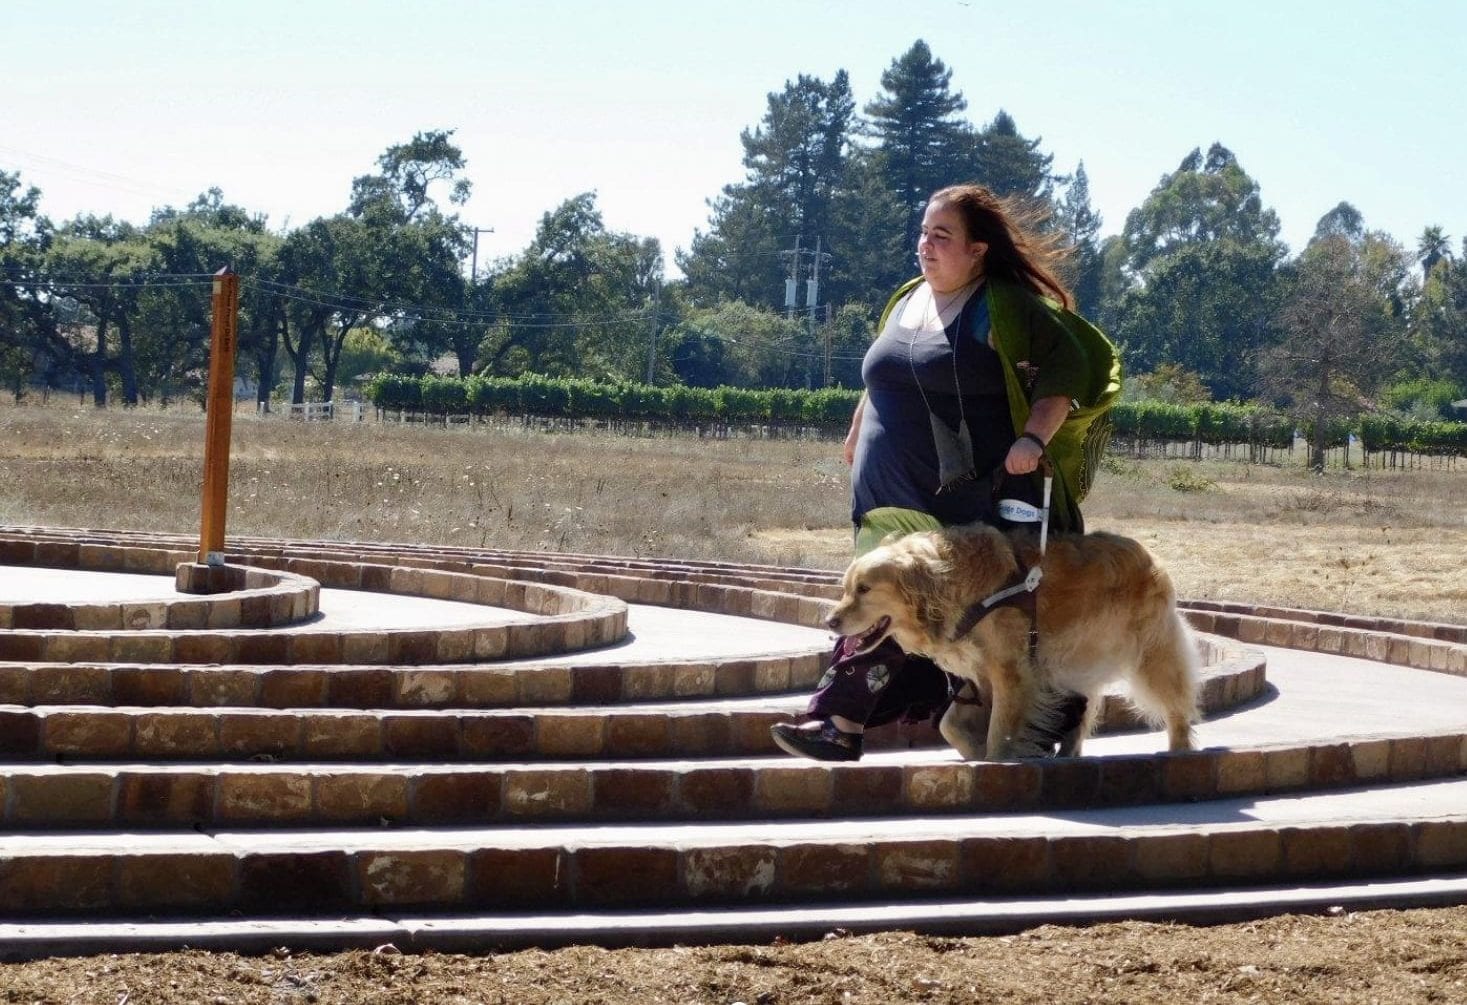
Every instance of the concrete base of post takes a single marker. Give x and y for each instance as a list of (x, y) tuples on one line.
[(201, 577)]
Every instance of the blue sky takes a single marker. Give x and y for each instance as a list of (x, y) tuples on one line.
[(118, 107)]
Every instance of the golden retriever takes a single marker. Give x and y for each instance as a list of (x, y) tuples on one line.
[(1106, 612)]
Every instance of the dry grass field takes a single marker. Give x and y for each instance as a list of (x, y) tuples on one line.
[(1363, 541), (1367, 541)]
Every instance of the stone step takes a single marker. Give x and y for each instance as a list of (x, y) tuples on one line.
[(228, 724), (695, 728), (35, 796), (1394, 831), (496, 685)]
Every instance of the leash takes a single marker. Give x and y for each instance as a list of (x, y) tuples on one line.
[(1020, 591)]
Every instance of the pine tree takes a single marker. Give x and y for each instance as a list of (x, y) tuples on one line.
[(921, 143), (795, 162), (1010, 165), (1081, 226)]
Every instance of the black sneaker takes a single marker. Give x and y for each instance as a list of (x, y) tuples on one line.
[(819, 740)]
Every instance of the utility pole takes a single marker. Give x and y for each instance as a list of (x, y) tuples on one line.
[(792, 281), (652, 333), (474, 268), (812, 301)]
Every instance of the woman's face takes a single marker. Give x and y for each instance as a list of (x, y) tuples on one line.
[(948, 259)]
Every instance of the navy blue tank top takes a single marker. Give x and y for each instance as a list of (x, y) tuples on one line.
[(895, 459)]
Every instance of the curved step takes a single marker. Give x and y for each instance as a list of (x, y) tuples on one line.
[(1389, 831), (710, 787)]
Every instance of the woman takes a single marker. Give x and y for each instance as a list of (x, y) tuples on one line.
[(969, 380)]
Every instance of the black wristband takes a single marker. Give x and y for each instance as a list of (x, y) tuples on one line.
[(1038, 442)]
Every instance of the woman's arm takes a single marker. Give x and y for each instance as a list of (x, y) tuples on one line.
[(855, 431), (1045, 418)]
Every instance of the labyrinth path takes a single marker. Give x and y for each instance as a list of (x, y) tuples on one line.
[(356, 744)]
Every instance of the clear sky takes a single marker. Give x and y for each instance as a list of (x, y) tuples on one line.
[(117, 107)]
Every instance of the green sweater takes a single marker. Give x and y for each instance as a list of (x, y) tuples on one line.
[(1048, 351)]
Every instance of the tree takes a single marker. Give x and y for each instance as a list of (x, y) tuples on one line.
[(869, 258), (1431, 248), (175, 321), (26, 322), (742, 345), (577, 301), (408, 170), (1339, 325), (796, 156), (421, 247), (1010, 165), (795, 162), (1342, 221), (1196, 275), (1200, 202), (107, 261), (1439, 321), (921, 143), (1080, 225), (340, 272)]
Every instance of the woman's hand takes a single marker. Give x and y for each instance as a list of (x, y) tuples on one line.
[(1045, 418), (1023, 457)]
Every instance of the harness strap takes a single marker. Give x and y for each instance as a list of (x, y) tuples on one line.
[(1018, 593)]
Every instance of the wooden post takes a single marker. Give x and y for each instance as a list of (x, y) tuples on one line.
[(215, 507)]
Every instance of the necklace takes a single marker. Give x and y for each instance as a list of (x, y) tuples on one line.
[(954, 448)]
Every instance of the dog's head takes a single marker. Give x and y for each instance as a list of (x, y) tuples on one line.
[(895, 590), (915, 589)]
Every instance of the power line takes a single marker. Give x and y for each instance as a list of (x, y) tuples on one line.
[(435, 313)]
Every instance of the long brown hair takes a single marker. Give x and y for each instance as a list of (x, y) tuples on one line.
[(1018, 250)]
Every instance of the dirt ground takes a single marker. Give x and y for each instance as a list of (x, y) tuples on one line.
[(1389, 958)]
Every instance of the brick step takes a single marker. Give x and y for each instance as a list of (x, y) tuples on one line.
[(36, 796), (729, 727), (55, 544), (495, 685), (695, 727), (1384, 832), (1234, 674)]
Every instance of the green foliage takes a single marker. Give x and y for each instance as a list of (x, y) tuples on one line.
[(1439, 319), (575, 303), (1080, 224), (396, 391), (537, 394), (828, 407), (1169, 382), (25, 317), (1423, 397), (1195, 278), (443, 395), (1011, 165), (1342, 325), (920, 139), (365, 351), (1215, 424), (795, 164), (1184, 478)]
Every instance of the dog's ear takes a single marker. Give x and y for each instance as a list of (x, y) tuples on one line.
[(919, 581)]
